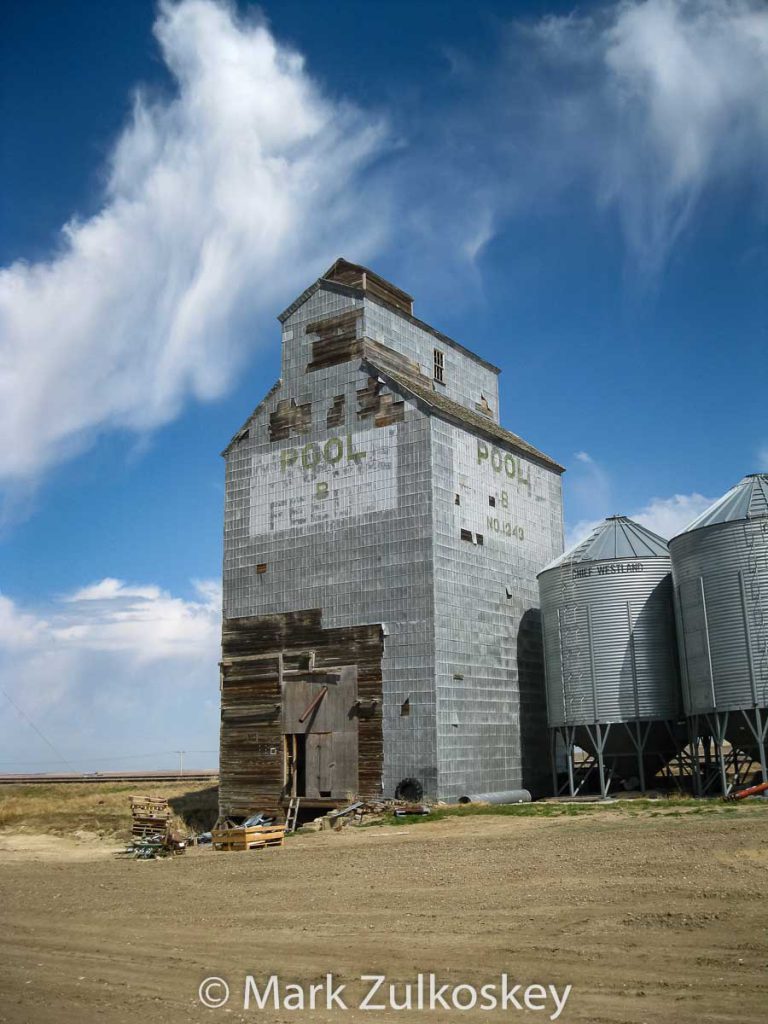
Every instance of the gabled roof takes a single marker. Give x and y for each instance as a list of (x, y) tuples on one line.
[(356, 276), (376, 358), (617, 537), (747, 500), (359, 282), (355, 279), (239, 433)]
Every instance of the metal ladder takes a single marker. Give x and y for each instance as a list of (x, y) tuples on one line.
[(292, 814)]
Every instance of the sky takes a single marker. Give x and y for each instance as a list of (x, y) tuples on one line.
[(578, 193)]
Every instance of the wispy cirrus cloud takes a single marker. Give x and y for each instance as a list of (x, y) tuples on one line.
[(220, 201), (227, 197), (647, 102)]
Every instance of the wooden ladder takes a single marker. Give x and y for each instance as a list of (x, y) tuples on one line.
[(293, 813)]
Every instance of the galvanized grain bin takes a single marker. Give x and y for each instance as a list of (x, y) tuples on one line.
[(609, 647), (720, 571)]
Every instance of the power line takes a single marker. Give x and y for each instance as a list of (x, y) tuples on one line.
[(29, 721)]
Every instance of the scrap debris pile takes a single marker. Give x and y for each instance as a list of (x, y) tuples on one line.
[(364, 811), (152, 835), (151, 832), (255, 833)]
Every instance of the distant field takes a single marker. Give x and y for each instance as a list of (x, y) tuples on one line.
[(102, 808)]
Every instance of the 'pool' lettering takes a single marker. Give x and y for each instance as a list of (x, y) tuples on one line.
[(503, 462), (311, 455)]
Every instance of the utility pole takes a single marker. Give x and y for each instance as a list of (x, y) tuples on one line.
[(181, 754)]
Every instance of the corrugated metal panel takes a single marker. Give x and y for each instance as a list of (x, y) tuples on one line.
[(747, 500), (721, 587), (615, 537), (609, 641)]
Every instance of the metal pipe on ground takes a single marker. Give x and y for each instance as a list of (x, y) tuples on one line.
[(752, 791), (508, 796)]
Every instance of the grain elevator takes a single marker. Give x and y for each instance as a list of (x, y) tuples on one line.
[(383, 534)]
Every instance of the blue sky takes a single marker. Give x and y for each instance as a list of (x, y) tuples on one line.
[(576, 193)]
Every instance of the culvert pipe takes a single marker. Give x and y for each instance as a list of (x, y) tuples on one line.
[(508, 796)]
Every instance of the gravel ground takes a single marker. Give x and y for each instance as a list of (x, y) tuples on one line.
[(650, 918)]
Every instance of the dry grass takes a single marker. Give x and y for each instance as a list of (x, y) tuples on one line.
[(101, 807)]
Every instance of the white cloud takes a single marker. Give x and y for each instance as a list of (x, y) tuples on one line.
[(112, 668), (665, 516), (18, 630), (589, 496), (109, 588), (220, 203), (670, 516), (653, 101)]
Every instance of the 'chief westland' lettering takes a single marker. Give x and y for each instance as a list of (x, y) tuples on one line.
[(503, 462), (313, 454)]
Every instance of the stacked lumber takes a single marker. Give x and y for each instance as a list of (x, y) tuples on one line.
[(151, 816), (255, 837)]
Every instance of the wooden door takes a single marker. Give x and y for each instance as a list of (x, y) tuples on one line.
[(320, 765), (328, 727)]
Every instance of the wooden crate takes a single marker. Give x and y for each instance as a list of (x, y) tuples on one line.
[(254, 838)]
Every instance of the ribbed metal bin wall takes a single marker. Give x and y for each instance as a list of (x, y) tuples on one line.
[(610, 657), (721, 583), (609, 642)]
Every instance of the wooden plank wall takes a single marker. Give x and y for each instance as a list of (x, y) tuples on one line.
[(290, 418), (376, 402), (337, 412), (338, 339), (256, 652), (355, 276)]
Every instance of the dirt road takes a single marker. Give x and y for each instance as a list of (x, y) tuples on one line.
[(649, 918)]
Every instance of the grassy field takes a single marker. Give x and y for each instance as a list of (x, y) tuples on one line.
[(668, 806), (101, 807)]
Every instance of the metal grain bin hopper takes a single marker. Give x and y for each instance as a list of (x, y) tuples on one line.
[(609, 647), (720, 571)]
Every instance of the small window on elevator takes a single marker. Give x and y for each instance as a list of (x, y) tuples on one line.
[(439, 366)]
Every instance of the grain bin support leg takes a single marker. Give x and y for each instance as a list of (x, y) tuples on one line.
[(553, 760), (638, 740), (639, 744), (758, 728), (605, 784), (721, 724), (693, 743), (599, 739), (569, 755)]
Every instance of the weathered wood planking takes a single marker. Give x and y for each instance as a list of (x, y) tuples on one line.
[(378, 404), (257, 654), (388, 359), (338, 339), (337, 411), (355, 276), (290, 418)]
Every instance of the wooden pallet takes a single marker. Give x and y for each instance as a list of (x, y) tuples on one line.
[(254, 838), (151, 815)]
